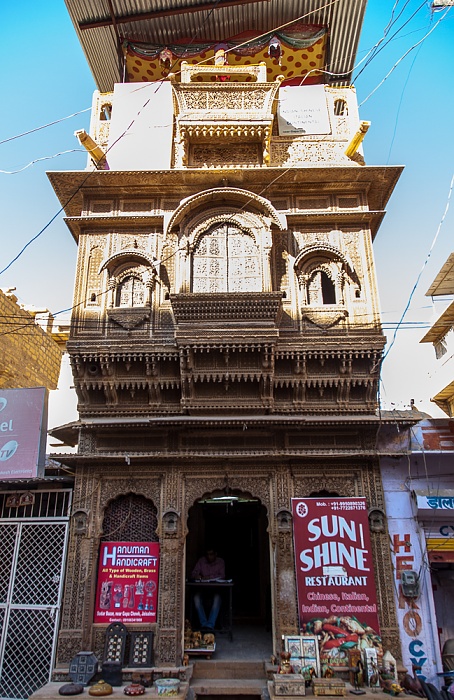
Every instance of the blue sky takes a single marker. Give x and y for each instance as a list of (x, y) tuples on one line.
[(45, 77)]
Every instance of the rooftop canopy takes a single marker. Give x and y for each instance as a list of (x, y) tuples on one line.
[(144, 40)]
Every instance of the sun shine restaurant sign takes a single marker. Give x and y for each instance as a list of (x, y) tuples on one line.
[(23, 423), (335, 577)]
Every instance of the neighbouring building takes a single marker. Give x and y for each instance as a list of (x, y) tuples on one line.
[(419, 493), (441, 336), (30, 353), (225, 338), (35, 499)]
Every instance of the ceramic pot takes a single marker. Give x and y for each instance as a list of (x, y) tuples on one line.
[(134, 689), (100, 688)]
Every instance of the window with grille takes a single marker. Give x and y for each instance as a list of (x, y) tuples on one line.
[(131, 292), (130, 518), (226, 259)]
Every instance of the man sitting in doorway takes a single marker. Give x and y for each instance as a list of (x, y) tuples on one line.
[(208, 568)]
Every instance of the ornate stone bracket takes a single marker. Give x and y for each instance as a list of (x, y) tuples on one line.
[(128, 318), (324, 316)]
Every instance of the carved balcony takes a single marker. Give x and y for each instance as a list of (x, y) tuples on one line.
[(234, 114), (252, 317)]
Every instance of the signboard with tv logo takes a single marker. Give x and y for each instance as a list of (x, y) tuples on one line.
[(23, 425), (337, 598)]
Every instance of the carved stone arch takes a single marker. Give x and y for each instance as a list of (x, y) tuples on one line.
[(324, 251), (346, 483), (127, 256), (134, 263), (242, 199), (257, 487), (113, 488)]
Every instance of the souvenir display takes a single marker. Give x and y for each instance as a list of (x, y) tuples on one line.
[(167, 686), (71, 689), (134, 689), (115, 644), (141, 649), (83, 667)]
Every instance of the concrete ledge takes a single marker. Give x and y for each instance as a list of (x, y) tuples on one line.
[(50, 692), (228, 686)]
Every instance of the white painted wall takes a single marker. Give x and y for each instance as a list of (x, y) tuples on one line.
[(141, 127), (417, 618)]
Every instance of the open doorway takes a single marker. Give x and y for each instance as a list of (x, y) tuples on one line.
[(234, 524)]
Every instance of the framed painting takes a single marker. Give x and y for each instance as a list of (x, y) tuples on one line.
[(304, 654)]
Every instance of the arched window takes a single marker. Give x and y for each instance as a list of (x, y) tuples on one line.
[(130, 292), (340, 108), (321, 289), (226, 259)]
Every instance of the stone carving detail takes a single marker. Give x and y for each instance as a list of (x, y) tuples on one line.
[(130, 241), (322, 317), (287, 622), (352, 242), (110, 487), (345, 484), (166, 648), (69, 644), (296, 152), (212, 155)]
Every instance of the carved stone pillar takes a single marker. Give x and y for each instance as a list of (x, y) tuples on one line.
[(169, 648)]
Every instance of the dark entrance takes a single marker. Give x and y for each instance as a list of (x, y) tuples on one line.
[(235, 524)]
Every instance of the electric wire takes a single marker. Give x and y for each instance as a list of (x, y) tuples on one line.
[(391, 38), (421, 271), (400, 104), (44, 126), (141, 109), (37, 160), (402, 58)]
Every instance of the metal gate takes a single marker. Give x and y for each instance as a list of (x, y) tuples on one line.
[(32, 555)]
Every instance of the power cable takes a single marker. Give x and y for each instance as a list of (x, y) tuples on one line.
[(391, 37), (37, 160), (402, 58), (400, 104)]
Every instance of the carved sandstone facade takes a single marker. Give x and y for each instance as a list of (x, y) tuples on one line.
[(225, 338)]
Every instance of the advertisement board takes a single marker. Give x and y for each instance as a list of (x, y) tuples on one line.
[(303, 110), (23, 425), (335, 578), (128, 577)]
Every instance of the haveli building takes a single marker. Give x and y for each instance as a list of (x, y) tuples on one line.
[(226, 339)]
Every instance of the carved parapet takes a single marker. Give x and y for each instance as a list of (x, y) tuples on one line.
[(188, 72)]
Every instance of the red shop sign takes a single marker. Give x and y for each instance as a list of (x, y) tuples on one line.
[(335, 578), (128, 576)]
